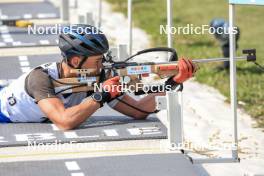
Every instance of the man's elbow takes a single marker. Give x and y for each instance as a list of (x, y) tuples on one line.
[(66, 125), (140, 116)]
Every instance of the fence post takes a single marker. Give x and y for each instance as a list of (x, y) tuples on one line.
[(99, 13), (169, 21), (122, 52), (174, 114), (114, 53), (89, 18), (81, 19), (64, 10), (75, 6), (130, 34), (233, 86)]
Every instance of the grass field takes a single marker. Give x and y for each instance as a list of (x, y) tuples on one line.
[(150, 14)]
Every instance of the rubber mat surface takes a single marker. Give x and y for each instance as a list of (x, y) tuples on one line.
[(33, 10), (12, 67), (135, 165), (23, 38), (97, 128)]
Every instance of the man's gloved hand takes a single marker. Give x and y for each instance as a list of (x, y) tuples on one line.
[(186, 70), (112, 86)]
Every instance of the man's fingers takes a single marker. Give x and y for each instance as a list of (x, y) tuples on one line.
[(116, 78), (195, 66), (191, 67), (186, 70), (183, 65)]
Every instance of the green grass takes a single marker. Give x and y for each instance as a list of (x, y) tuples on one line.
[(150, 14)]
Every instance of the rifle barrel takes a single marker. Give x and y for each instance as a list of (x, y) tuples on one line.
[(240, 58), (218, 59), (207, 60)]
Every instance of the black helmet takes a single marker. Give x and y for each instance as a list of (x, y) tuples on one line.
[(82, 40)]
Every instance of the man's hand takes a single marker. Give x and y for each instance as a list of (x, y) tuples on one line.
[(186, 70), (112, 86)]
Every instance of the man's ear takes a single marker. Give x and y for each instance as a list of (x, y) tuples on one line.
[(75, 61)]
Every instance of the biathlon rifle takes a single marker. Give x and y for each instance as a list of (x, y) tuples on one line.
[(132, 73)]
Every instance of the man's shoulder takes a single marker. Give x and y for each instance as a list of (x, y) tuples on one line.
[(38, 76), (39, 84), (37, 72), (42, 69)]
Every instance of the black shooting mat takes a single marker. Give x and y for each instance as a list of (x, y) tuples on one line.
[(11, 66), (20, 37), (29, 10), (95, 129), (128, 165)]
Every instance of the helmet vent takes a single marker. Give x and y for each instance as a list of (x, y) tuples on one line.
[(98, 44), (87, 47)]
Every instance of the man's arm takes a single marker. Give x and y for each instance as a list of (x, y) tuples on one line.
[(73, 116), (147, 104), (40, 87), (69, 118)]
